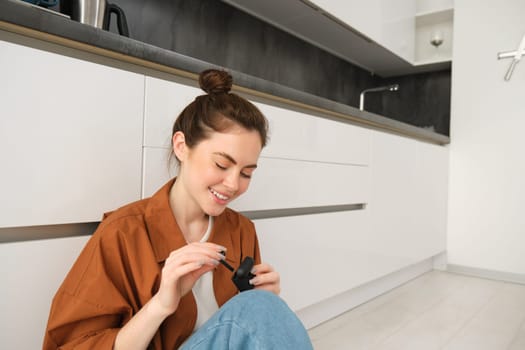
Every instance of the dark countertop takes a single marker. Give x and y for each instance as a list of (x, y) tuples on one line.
[(22, 18)]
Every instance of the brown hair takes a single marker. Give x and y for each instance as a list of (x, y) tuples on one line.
[(218, 110)]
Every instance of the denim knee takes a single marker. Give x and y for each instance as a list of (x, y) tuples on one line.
[(259, 300), (253, 319)]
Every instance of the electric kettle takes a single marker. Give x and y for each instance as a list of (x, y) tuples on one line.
[(96, 13)]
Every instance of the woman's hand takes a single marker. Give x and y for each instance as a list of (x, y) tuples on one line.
[(266, 278), (182, 269)]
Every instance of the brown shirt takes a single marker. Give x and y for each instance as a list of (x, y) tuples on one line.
[(119, 270)]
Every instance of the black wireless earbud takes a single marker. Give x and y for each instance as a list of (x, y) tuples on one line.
[(241, 278)]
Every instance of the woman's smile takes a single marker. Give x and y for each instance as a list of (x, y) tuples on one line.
[(219, 197)]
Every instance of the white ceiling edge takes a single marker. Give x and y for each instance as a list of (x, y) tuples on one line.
[(321, 30)]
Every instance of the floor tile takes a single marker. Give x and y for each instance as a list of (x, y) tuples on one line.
[(518, 343), (438, 310), (495, 326)]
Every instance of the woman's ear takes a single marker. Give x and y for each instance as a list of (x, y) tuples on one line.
[(179, 146)]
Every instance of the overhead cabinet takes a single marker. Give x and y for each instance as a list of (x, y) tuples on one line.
[(388, 23), (385, 37)]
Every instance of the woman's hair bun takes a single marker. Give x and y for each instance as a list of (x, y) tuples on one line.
[(214, 81)]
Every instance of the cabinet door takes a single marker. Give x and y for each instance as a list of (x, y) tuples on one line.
[(301, 136), (389, 23), (158, 169), (319, 256), (431, 197), (283, 184), (408, 198), (363, 16), (277, 183), (70, 137), (164, 101), (31, 275)]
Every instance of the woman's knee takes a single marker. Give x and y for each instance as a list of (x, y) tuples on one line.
[(256, 317), (260, 301), (258, 308)]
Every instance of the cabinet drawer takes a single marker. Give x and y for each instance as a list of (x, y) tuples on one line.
[(28, 289), (282, 183), (318, 256), (296, 135), (278, 183), (408, 200), (163, 103), (70, 137), (157, 170), (293, 135)]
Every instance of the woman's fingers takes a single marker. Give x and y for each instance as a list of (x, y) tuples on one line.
[(262, 268), (183, 268), (266, 278), (195, 258), (210, 250), (185, 265)]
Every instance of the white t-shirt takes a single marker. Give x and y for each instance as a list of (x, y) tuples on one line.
[(203, 290)]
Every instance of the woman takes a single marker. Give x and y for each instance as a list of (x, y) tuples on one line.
[(150, 276)]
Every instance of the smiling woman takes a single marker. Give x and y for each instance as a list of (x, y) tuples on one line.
[(150, 275)]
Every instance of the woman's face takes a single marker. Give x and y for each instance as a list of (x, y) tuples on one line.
[(218, 169)]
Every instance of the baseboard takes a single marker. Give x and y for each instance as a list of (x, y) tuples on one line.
[(485, 273), (325, 310)]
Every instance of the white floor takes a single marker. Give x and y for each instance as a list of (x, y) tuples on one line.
[(438, 310)]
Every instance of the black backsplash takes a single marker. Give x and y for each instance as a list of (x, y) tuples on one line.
[(215, 32)]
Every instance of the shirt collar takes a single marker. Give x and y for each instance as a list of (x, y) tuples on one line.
[(164, 232)]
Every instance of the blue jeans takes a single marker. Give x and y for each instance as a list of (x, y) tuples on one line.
[(253, 320)]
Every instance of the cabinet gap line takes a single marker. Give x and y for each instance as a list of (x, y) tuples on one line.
[(33, 233), (279, 213)]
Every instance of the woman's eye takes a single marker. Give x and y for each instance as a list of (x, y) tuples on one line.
[(246, 176), (220, 166)]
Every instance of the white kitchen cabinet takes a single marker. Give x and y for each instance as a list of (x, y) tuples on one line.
[(70, 137), (431, 198), (158, 169), (319, 256), (408, 198), (387, 38), (31, 274), (293, 135), (278, 183), (284, 183), (164, 101), (363, 16), (300, 136), (309, 161), (389, 23), (433, 6), (403, 224)]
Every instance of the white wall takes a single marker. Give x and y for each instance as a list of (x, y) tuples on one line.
[(486, 228)]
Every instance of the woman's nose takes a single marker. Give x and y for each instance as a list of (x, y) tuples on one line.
[(232, 182)]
